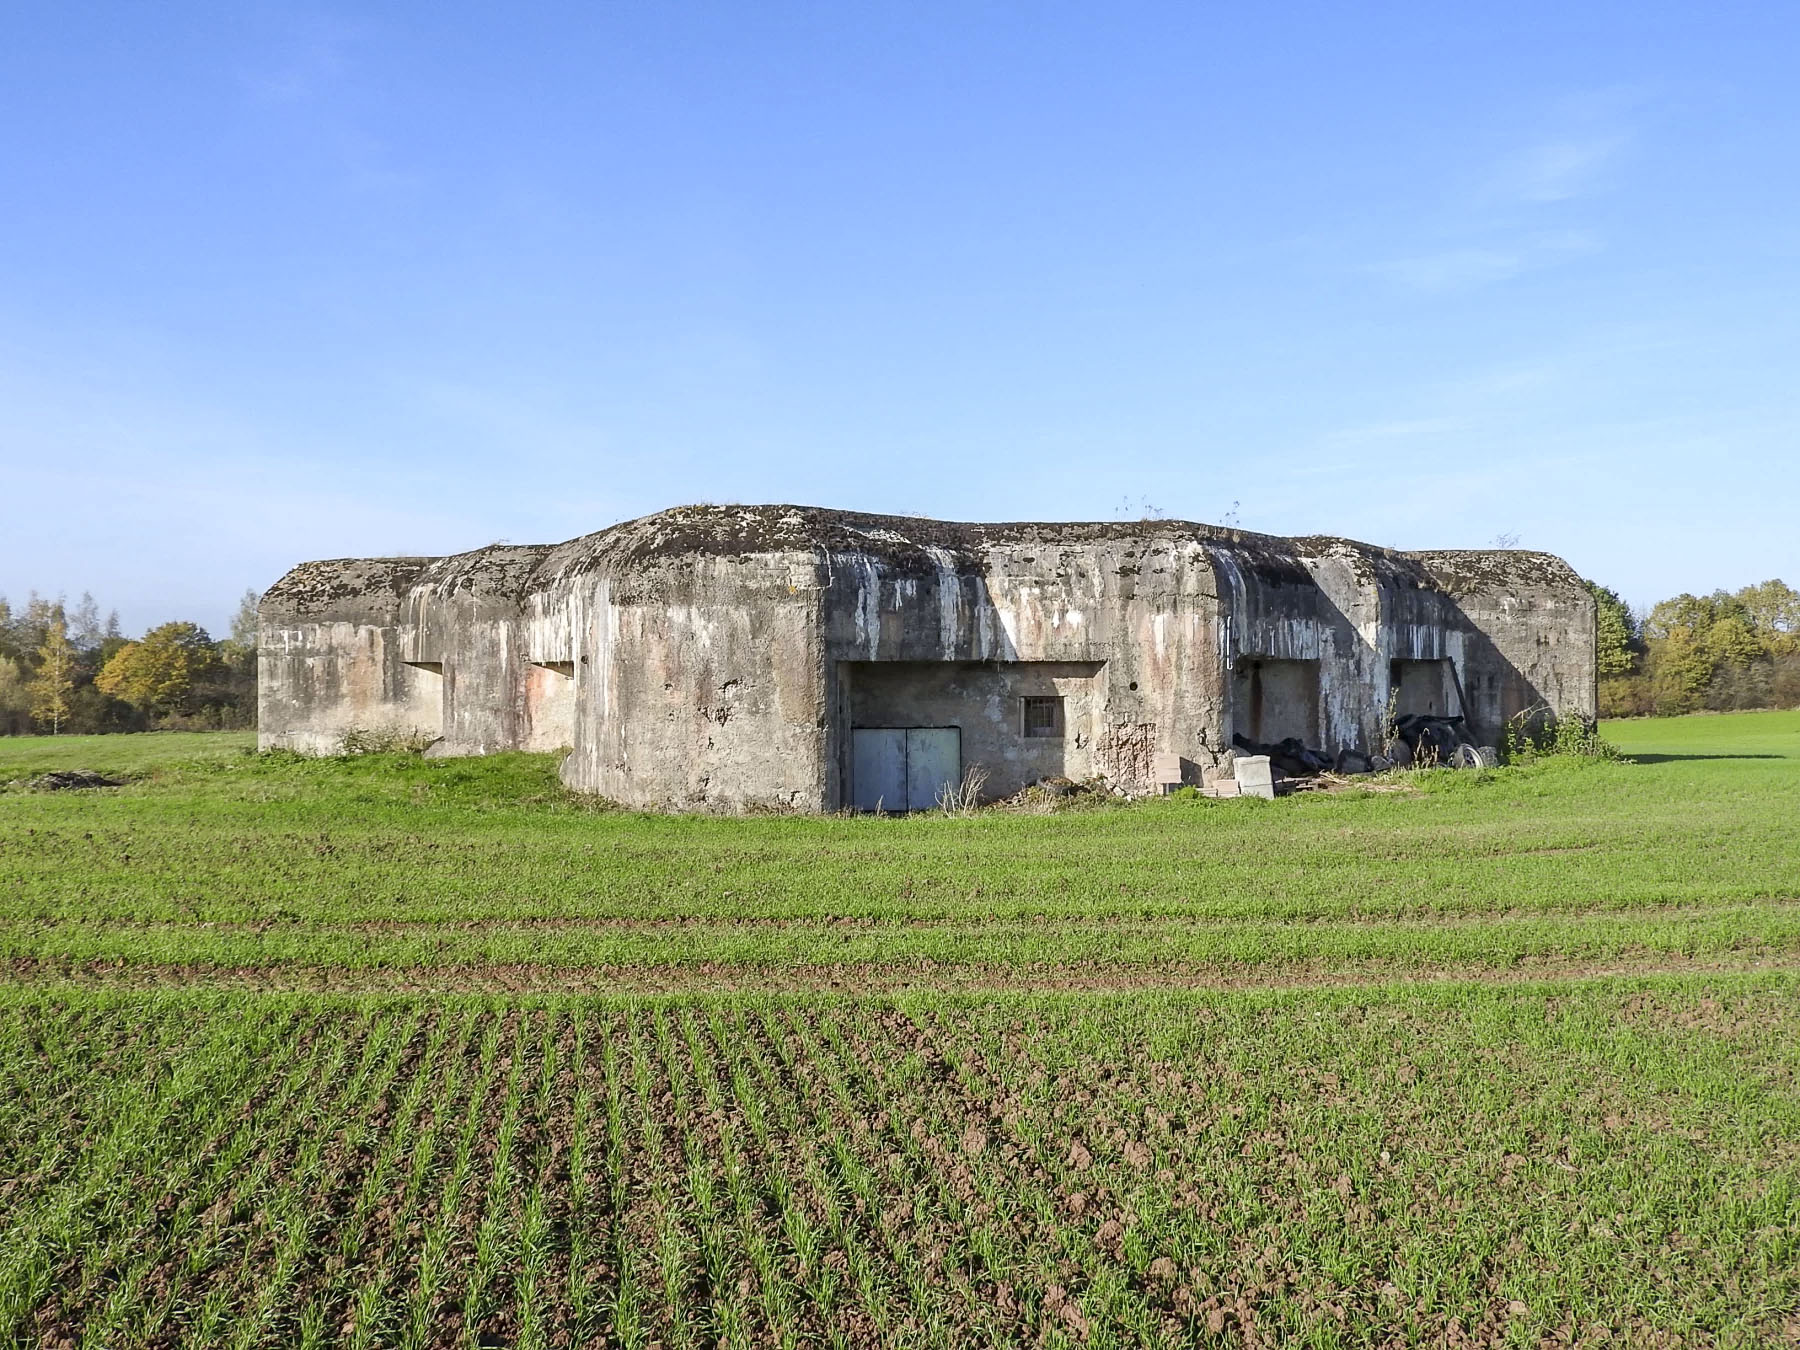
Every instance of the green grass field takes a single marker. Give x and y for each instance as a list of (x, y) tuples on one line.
[(386, 1051), (397, 866)]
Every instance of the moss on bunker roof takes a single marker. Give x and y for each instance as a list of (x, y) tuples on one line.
[(903, 543), (503, 571), (313, 587), (1471, 571)]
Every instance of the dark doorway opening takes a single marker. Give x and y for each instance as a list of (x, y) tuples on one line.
[(1424, 688), (1277, 699)]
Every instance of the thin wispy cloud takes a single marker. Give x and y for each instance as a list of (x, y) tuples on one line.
[(1401, 429), (1469, 267), (1477, 412), (1497, 224), (1553, 171), (312, 57)]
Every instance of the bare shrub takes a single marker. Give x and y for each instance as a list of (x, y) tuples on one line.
[(962, 799)]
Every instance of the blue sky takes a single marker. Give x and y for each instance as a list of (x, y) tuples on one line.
[(281, 282)]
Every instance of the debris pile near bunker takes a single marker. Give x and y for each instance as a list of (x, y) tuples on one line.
[(69, 780)]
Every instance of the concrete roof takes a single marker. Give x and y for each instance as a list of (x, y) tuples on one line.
[(513, 571)]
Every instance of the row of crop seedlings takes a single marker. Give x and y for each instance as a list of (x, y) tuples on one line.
[(1152, 1200), (683, 1174), (48, 1064), (1014, 1184), (1011, 1177), (131, 1234), (329, 1096), (957, 1215), (302, 1180), (62, 1071), (84, 1245)]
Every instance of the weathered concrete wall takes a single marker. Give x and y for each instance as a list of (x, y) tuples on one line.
[(435, 648), (1323, 619), (985, 701), (1137, 604), (720, 657), (468, 614), (1526, 623), (1512, 630), (699, 684), (331, 658), (1356, 585)]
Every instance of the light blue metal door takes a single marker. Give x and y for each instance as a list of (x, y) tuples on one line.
[(903, 768), (878, 769), (933, 763)]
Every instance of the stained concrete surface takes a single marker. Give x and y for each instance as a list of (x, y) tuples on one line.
[(720, 658)]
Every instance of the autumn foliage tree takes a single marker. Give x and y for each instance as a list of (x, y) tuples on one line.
[(1724, 651), (1617, 640), (54, 684), (53, 654), (15, 697), (162, 673)]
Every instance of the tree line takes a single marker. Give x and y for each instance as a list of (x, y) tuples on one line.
[(64, 669), (1722, 652)]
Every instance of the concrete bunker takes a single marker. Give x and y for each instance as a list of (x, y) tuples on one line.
[(729, 658)]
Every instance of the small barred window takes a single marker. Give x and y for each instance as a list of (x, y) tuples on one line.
[(1044, 716)]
